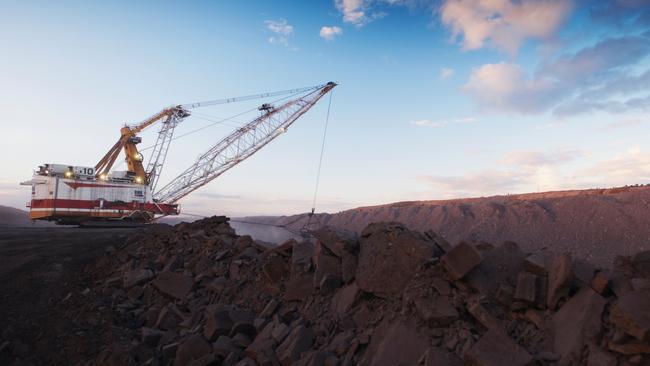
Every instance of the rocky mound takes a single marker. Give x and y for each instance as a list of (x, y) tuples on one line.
[(595, 224), (197, 294)]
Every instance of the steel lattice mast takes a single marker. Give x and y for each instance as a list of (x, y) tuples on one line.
[(240, 145), (159, 154)]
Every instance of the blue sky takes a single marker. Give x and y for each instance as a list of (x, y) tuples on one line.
[(436, 99)]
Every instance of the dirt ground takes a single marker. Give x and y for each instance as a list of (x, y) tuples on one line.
[(40, 270)]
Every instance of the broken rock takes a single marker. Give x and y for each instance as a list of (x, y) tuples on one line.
[(136, 277), (496, 348), (389, 256), (526, 287), (498, 266), (173, 284), (348, 266), (460, 260), (536, 263), (329, 284), (217, 322), (435, 356), (632, 313), (577, 324), (436, 310), (193, 348), (274, 269), (559, 274), (344, 299), (337, 241), (395, 344), (301, 258), (298, 341), (482, 315), (299, 287), (325, 265)]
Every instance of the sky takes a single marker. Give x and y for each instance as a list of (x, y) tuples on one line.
[(436, 99)]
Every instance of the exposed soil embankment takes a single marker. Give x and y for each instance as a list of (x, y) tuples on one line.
[(13, 217), (595, 224)]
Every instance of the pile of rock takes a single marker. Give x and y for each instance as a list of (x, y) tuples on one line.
[(198, 294)]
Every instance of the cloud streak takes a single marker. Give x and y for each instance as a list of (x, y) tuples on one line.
[(443, 123), (527, 171), (538, 159)]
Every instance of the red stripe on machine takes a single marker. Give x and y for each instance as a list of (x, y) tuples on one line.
[(161, 208)]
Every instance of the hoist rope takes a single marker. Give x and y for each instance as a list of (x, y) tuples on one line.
[(322, 150)]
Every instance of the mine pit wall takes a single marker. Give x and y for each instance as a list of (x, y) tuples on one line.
[(596, 225)]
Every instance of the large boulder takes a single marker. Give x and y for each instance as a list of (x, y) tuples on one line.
[(325, 264), (499, 266), (577, 324), (460, 260), (345, 299), (395, 343), (136, 277), (389, 256), (297, 342), (193, 348), (496, 348), (176, 285), (337, 241), (559, 278), (632, 313), (217, 321), (301, 258)]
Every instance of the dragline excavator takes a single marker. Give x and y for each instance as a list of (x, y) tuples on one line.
[(97, 195)]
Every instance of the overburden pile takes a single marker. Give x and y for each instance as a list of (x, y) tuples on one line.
[(198, 294)]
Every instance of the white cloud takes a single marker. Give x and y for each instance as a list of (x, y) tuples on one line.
[(442, 123), (505, 87), (329, 33), (279, 26), (282, 31), (503, 23), (353, 10), (359, 12), (608, 76), (446, 72)]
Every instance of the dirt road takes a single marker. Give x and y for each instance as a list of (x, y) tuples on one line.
[(41, 269)]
